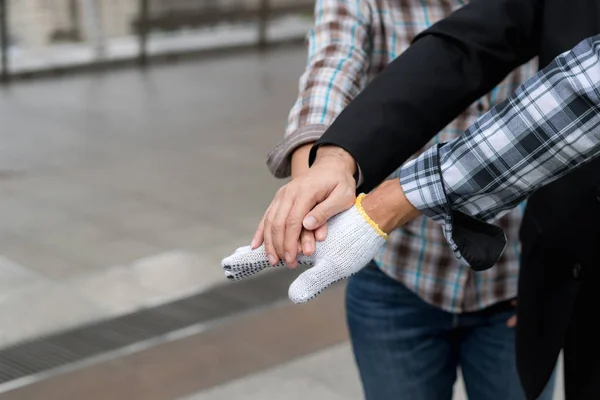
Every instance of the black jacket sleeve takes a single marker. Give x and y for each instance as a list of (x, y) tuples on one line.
[(447, 68)]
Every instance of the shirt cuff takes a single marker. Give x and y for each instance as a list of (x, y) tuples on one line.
[(279, 160), (359, 178), (423, 186), (477, 242)]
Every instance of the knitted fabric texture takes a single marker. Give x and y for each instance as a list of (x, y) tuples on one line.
[(352, 241)]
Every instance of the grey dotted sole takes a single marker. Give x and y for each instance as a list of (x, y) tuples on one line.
[(245, 270)]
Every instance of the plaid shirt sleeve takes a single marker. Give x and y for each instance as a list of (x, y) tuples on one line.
[(550, 125), (334, 75)]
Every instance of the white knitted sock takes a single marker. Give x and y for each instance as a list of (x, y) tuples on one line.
[(352, 241)]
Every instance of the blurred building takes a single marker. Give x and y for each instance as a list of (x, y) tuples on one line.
[(39, 23)]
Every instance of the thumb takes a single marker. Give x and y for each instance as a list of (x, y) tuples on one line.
[(312, 282), (337, 202)]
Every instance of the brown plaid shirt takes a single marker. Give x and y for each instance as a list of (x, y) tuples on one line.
[(352, 41)]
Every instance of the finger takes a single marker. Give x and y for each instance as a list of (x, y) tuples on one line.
[(338, 201), (308, 242), (245, 262), (302, 204), (268, 240), (279, 232), (312, 282), (258, 237), (242, 257), (321, 233), (512, 321)]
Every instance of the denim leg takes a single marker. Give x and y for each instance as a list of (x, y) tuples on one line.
[(487, 358), (404, 348)]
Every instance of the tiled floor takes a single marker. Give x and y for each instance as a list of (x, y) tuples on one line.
[(127, 188)]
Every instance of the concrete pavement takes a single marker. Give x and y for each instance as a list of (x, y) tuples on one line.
[(125, 189)]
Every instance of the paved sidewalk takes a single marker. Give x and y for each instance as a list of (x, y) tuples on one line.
[(326, 375), (125, 189)]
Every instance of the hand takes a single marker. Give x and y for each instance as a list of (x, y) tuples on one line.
[(512, 321), (308, 201), (299, 164), (352, 241)]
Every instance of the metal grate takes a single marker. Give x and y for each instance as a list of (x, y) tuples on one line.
[(57, 350)]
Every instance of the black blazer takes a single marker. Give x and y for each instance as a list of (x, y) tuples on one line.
[(448, 67)]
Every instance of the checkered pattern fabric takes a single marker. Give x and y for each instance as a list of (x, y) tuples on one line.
[(353, 41), (548, 126)]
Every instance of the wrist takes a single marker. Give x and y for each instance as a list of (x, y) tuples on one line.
[(299, 160), (336, 156), (388, 207)]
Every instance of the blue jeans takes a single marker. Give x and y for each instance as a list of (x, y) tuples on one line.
[(406, 349)]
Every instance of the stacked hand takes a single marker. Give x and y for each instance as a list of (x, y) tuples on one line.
[(352, 241), (353, 234), (308, 201)]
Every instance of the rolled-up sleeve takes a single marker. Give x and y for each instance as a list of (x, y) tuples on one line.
[(338, 47)]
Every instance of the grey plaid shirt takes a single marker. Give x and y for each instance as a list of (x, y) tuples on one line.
[(350, 44), (550, 125)]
